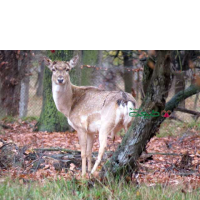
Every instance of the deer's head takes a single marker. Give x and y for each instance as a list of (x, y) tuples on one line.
[(60, 69)]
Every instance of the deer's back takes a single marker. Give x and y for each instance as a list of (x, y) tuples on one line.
[(91, 103)]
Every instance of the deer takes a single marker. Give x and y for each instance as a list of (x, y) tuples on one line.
[(89, 110)]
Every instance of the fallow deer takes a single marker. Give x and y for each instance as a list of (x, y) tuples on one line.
[(89, 110)]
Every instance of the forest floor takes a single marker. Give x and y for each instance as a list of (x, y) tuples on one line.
[(172, 161)]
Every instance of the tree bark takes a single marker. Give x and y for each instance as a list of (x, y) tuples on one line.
[(40, 79), (75, 74), (24, 66), (180, 85), (10, 83), (100, 58), (128, 75)]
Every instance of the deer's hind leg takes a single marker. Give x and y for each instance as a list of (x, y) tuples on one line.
[(90, 142), (103, 134)]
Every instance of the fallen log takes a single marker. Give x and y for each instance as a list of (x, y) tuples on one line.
[(108, 153), (58, 149)]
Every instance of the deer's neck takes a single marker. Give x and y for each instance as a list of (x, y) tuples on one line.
[(62, 95)]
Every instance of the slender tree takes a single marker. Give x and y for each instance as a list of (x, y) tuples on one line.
[(24, 66), (128, 75)]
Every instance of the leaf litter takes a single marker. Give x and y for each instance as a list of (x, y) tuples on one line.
[(174, 160)]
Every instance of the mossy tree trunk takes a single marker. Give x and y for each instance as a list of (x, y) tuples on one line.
[(142, 129), (50, 118), (90, 57)]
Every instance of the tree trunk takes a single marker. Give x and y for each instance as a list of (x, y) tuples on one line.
[(124, 160), (40, 79), (100, 58), (24, 66), (128, 75), (97, 75), (89, 58), (50, 118), (75, 74), (24, 97), (142, 130), (10, 83), (180, 85)]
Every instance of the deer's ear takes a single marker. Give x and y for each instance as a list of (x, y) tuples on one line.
[(74, 61), (48, 63)]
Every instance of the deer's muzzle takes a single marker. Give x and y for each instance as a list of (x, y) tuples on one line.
[(60, 80)]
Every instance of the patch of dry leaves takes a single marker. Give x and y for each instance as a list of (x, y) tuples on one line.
[(163, 169)]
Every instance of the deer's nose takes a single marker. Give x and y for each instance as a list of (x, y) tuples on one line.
[(60, 80)]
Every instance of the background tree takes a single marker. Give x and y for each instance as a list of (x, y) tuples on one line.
[(89, 57), (50, 118), (128, 75), (13, 70), (24, 66)]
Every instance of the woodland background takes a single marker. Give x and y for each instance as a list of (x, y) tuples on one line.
[(36, 143)]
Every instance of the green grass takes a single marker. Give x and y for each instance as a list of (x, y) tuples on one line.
[(30, 118), (9, 119), (62, 189), (194, 124)]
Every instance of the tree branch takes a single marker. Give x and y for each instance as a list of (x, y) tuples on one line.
[(181, 96), (188, 111)]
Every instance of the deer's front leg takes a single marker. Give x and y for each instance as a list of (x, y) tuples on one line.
[(83, 143)]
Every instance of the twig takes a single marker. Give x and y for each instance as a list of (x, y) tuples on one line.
[(166, 154), (188, 111)]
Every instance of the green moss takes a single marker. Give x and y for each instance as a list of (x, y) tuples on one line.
[(89, 58), (50, 119)]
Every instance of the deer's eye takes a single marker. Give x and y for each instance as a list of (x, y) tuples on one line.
[(53, 70), (67, 70)]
